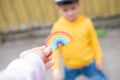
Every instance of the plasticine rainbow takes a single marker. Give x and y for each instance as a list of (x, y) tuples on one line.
[(56, 38)]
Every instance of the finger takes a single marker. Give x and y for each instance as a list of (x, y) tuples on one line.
[(48, 54), (23, 54), (47, 59), (42, 47), (47, 51), (39, 48), (49, 64)]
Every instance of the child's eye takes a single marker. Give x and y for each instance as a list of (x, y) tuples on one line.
[(65, 10), (72, 8)]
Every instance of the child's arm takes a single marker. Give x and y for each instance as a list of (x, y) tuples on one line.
[(56, 67), (95, 44), (56, 59)]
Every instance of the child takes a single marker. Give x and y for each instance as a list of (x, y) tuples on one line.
[(83, 54), (31, 65)]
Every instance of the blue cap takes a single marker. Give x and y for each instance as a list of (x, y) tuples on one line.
[(65, 1)]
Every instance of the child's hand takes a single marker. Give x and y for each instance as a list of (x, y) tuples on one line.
[(99, 65), (44, 54), (56, 74)]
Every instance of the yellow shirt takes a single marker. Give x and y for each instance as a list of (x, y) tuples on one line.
[(83, 49)]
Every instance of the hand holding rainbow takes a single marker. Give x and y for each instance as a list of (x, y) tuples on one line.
[(56, 38)]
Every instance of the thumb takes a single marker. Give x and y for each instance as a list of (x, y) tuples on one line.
[(49, 64), (47, 51)]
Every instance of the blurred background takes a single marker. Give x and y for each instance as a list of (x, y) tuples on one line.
[(25, 24)]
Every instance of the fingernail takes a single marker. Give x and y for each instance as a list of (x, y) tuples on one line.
[(47, 50)]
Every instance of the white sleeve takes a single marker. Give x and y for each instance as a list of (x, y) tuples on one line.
[(29, 68)]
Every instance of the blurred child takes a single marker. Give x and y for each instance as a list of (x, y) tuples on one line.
[(83, 54), (31, 65)]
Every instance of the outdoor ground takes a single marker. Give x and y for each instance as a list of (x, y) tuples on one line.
[(110, 44)]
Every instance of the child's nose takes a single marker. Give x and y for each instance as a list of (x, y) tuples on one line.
[(70, 13)]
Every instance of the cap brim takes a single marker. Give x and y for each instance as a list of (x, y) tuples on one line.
[(66, 1)]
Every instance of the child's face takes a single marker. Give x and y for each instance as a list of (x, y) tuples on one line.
[(69, 11)]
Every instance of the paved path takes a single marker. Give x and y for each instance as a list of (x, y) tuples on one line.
[(110, 46)]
